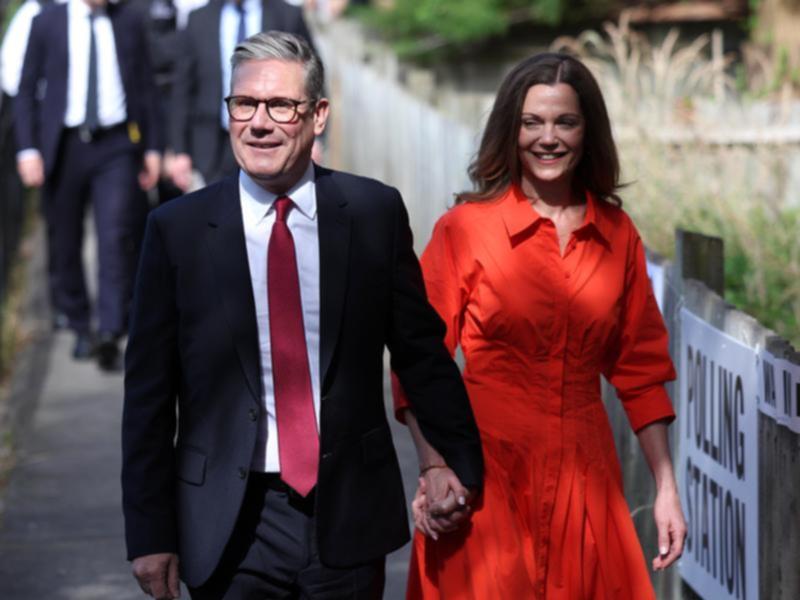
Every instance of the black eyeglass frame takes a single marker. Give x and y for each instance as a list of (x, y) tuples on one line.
[(266, 102)]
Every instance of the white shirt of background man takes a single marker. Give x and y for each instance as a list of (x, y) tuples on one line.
[(111, 106), (15, 42)]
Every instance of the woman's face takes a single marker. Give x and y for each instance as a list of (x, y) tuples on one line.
[(551, 133)]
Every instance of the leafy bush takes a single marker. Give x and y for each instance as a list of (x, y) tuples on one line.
[(421, 27)]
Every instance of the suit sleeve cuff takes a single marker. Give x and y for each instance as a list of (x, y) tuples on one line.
[(28, 153)]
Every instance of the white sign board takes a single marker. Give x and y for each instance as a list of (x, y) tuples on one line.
[(656, 274), (779, 390), (718, 465)]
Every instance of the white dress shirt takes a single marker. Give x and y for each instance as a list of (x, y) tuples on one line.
[(111, 106), (228, 30), (183, 8), (258, 216)]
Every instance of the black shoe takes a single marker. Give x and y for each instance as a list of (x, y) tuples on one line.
[(84, 346), (107, 351)]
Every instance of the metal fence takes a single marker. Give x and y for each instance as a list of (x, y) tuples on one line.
[(384, 125)]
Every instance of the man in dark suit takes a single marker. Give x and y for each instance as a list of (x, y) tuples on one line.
[(262, 308), (198, 133), (86, 128)]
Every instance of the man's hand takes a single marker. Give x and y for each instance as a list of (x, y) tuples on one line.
[(157, 575), (151, 170), (179, 169), (446, 502), (31, 170)]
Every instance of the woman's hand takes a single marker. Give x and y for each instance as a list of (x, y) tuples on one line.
[(671, 527), (432, 517), (419, 508), (667, 508)]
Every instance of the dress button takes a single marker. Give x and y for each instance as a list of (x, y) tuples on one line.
[(242, 473), (253, 413)]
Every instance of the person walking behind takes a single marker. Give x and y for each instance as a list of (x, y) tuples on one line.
[(86, 131)]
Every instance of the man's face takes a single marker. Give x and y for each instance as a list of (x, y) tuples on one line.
[(275, 155)]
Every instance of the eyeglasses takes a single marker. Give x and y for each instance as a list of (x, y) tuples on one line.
[(280, 110)]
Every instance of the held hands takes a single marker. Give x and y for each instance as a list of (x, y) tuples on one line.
[(441, 503), (157, 575), (671, 527)]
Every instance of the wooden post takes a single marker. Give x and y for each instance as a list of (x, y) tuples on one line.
[(700, 257)]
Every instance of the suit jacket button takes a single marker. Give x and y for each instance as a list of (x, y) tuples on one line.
[(253, 413), (242, 473)]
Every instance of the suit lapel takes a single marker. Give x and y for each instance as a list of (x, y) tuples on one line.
[(213, 70), (123, 57), (61, 44), (334, 248), (225, 238)]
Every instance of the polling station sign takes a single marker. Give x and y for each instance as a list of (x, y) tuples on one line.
[(718, 462), (779, 384)]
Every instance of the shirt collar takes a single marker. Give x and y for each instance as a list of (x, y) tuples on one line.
[(258, 202), (596, 218), (79, 8), (248, 5), (519, 215)]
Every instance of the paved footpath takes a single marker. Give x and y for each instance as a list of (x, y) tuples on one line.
[(61, 529)]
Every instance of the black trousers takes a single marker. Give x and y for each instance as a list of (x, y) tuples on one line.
[(101, 172), (273, 554)]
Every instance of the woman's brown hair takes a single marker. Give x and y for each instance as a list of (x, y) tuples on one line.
[(497, 166)]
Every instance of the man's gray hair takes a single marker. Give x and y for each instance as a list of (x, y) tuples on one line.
[(280, 45)]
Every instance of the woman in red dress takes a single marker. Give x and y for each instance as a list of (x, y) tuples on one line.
[(540, 278)]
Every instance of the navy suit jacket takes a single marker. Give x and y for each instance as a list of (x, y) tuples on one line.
[(194, 341), (41, 104), (194, 120)]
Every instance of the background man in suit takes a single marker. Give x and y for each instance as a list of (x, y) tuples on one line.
[(264, 303), (84, 116), (198, 134)]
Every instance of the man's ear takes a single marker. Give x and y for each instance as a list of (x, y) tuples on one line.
[(321, 110)]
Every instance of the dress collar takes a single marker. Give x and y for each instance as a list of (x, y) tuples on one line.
[(519, 215)]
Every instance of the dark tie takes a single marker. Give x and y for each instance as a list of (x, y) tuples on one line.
[(298, 441), (92, 121), (242, 32)]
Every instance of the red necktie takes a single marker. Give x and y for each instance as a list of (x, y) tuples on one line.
[(298, 441)]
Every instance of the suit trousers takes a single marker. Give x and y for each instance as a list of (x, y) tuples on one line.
[(273, 554), (101, 172)]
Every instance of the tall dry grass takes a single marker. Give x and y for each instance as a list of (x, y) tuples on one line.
[(697, 158)]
